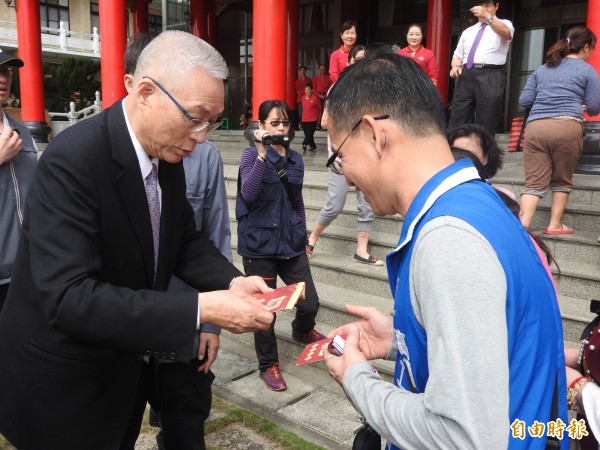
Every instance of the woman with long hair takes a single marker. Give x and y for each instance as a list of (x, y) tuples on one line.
[(557, 94)]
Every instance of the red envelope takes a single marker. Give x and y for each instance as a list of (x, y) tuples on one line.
[(313, 352), (281, 298)]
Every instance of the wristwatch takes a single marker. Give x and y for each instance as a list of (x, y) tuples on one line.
[(490, 20)]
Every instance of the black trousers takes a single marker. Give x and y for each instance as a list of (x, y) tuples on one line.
[(183, 398), (309, 134), (478, 98), (3, 294), (291, 271)]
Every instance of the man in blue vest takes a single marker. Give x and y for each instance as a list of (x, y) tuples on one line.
[(476, 332)]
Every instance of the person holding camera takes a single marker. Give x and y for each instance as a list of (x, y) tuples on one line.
[(272, 228)]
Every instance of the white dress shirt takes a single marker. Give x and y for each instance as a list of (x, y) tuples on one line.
[(492, 48)]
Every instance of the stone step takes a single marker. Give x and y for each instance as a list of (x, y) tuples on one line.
[(579, 283), (288, 347), (583, 216), (346, 219), (313, 399)]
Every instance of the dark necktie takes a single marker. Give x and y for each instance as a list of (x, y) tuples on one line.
[(471, 56), (154, 206)]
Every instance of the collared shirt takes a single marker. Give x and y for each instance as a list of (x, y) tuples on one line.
[(145, 163), (492, 48), (143, 159), (337, 63), (321, 84)]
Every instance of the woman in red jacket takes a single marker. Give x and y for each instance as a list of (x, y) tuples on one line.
[(311, 111), (339, 58), (421, 55)]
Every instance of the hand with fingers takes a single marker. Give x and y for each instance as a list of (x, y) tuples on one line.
[(10, 144), (236, 310), (375, 328), (208, 350)]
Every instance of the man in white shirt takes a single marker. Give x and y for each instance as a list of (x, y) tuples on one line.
[(479, 61)]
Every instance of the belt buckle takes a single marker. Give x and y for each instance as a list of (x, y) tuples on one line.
[(478, 66)]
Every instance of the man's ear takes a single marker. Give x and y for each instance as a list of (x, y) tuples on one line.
[(377, 134), (128, 81), (144, 89)]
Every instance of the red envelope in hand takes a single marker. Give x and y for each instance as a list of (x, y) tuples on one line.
[(281, 298), (313, 352)]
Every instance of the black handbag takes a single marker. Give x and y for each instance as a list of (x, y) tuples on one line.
[(366, 438)]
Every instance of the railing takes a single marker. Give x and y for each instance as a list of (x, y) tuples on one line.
[(57, 39), (74, 116)]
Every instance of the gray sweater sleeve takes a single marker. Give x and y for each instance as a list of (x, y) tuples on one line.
[(458, 293)]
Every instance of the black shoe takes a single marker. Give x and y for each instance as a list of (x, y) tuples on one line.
[(304, 148), (312, 149), (154, 418)]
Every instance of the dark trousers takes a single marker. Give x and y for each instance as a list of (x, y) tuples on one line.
[(3, 294), (299, 114), (478, 98), (309, 134), (183, 398), (291, 271)]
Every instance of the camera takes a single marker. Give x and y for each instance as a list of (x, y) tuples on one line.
[(275, 139)]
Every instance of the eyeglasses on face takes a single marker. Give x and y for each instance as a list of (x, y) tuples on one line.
[(276, 123), (334, 163), (6, 71), (194, 124)]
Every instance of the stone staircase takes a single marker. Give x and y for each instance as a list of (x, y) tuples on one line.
[(340, 280)]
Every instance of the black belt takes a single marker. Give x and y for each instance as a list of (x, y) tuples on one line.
[(485, 66)]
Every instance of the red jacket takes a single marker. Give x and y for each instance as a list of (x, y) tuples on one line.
[(321, 84), (311, 108), (337, 63), (424, 58), (300, 85)]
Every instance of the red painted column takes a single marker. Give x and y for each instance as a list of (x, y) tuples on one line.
[(113, 40), (292, 53), (269, 44), (211, 23), (31, 75), (198, 17), (140, 16), (439, 28), (593, 23)]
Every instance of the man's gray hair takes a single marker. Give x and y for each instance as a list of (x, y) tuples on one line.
[(173, 55)]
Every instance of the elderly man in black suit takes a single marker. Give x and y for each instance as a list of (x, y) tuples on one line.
[(106, 225)]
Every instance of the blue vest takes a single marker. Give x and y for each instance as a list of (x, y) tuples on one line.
[(270, 226), (534, 324)]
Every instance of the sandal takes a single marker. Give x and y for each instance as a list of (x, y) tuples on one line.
[(309, 250), (371, 260), (563, 230)]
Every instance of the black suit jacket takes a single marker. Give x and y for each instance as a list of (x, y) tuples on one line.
[(83, 305)]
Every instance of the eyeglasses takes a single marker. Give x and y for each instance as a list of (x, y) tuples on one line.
[(276, 123), (334, 163), (6, 71), (194, 124)]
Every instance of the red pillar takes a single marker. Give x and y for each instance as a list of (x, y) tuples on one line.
[(140, 16), (198, 17), (292, 53), (593, 23), (269, 44), (439, 28), (113, 40), (31, 75), (211, 23)]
